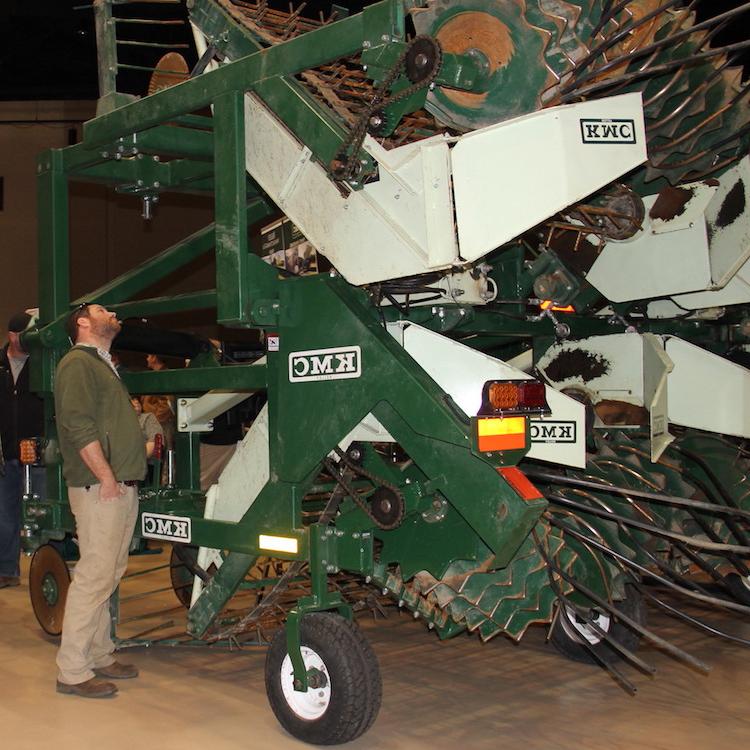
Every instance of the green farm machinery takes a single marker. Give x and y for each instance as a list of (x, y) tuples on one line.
[(513, 391)]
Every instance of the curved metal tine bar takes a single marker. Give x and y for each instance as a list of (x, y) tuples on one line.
[(684, 549), (725, 496), (656, 497), (694, 621), (652, 49), (697, 90), (626, 652), (668, 40), (628, 621), (656, 70), (715, 168), (649, 528), (621, 34), (696, 128), (645, 571)]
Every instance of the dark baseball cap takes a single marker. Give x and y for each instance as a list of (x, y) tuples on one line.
[(19, 322)]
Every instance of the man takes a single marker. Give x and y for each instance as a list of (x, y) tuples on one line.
[(104, 458), (21, 416)]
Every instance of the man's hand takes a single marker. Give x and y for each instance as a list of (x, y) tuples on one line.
[(110, 490), (93, 457)]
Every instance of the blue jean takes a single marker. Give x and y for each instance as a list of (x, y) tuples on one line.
[(11, 491), (11, 497)]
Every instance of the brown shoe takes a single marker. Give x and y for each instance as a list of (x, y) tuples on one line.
[(117, 671), (92, 688), (7, 581)]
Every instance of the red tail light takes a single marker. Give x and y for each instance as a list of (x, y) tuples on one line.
[(513, 397)]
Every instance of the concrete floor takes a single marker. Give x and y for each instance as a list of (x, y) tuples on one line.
[(436, 694)]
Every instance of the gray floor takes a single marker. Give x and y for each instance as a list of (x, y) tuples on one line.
[(436, 695)]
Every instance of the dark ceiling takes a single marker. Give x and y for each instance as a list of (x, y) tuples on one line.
[(47, 47)]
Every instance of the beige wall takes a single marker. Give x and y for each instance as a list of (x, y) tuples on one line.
[(107, 233)]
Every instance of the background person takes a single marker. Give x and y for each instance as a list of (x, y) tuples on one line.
[(161, 406), (150, 426), (21, 416)]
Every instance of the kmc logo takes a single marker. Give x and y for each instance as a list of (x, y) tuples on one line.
[(608, 131), (552, 432), (325, 364), (171, 528)]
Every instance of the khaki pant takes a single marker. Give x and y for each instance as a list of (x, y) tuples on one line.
[(104, 533)]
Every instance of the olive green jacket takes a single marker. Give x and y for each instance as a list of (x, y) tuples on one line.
[(91, 403)]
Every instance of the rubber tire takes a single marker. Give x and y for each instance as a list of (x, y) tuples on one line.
[(632, 606), (738, 588), (356, 688)]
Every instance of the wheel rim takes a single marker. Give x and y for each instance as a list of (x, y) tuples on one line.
[(50, 591), (49, 580), (579, 630), (312, 703)]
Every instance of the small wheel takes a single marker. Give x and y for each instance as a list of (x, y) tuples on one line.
[(344, 695), (739, 586), (49, 580), (570, 631)]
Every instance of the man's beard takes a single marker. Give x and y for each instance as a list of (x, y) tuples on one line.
[(106, 329)]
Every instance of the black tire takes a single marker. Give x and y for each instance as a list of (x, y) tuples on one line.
[(350, 670), (182, 564), (739, 587), (568, 640)]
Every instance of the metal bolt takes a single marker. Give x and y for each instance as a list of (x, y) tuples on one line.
[(183, 425), (157, 184), (368, 579), (183, 402), (385, 592), (416, 615), (400, 602), (355, 535), (365, 44), (139, 182), (385, 38)]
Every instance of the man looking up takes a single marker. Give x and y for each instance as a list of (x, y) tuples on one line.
[(21, 416), (104, 458)]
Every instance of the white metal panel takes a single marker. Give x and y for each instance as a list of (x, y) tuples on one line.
[(509, 177), (396, 226), (604, 367), (728, 219), (706, 391), (246, 473), (736, 292), (656, 369), (673, 261), (461, 372)]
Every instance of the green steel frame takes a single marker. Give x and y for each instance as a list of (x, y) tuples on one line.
[(122, 147)]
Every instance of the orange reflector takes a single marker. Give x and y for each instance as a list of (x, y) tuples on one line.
[(503, 396), (27, 451), (498, 434), (520, 483), (547, 305)]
